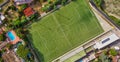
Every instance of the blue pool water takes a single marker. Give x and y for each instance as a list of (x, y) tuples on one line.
[(11, 36)]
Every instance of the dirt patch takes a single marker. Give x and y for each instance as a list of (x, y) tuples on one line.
[(112, 7)]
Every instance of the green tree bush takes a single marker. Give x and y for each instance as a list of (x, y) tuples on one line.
[(113, 52), (22, 52)]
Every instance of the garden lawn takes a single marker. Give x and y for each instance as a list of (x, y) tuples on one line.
[(64, 29)]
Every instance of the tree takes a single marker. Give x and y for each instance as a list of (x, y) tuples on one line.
[(23, 6), (16, 22), (22, 52), (23, 19), (103, 58), (99, 3), (57, 2), (49, 1), (73, 0), (13, 7), (46, 8), (113, 52), (1, 37), (64, 2)]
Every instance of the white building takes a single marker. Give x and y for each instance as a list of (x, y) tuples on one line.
[(2, 17), (106, 41), (19, 2)]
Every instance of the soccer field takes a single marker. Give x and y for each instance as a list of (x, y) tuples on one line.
[(63, 30)]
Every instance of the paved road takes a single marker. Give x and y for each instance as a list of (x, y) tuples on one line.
[(107, 17)]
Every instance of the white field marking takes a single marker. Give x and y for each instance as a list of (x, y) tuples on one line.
[(40, 28), (90, 31), (87, 4), (52, 51), (56, 48), (77, 12), (94, 35), (98, 23), (61, 29), (70, 20), (85, 26), (73, 18), (91, 12), (43, 40), (32, 30)]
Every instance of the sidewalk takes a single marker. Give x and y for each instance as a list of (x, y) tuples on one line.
[(105, 25)]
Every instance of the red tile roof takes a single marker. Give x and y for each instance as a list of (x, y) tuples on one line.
[(28, 12)]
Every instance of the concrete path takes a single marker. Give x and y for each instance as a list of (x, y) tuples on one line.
[(106, 27)]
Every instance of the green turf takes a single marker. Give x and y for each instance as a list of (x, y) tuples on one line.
[(76, 56), (64, 29)]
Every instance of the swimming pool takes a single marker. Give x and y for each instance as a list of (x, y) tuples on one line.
[(11, 36)]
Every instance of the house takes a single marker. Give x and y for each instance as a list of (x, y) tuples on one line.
[(19, 2), (2, 29), (12, 37), (2, 17), (10, 56), (28, 11), (3, 44)]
